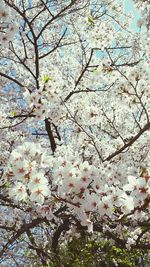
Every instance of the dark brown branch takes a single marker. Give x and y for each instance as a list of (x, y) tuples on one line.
[(131, 64), (57, 45), (57, 234), (141, 235), (11, 79), (39, 251), (16, 124), (22, 62), (8, 228), (29, 115), (34, 42), (80, 77), (8, 202), (132, 140), (85, 68), (102, 89), (47, 8), (50, 135), (21, 231), (56, 17), (57, 132)]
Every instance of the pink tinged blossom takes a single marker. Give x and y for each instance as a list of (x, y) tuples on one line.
[(117, 197), (12, 29), (105, 207), (94, 173), (37, 180), (90, 201), (46, 211), (97, 184), (20, 169), (142, 189), (38, 195), (70, 185), (46, 161), (4, 40), (4, 14), (132, 184), (85, 179), (90, 226), (15, 156), (30, 149), (127, 204), (18, 192), (86, 221), (85, 167), (138, 202)]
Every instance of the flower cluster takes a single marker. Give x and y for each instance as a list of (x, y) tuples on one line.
[(145, 10), (79, 87), (8, 27), (26, 174), (85, 188), (46, 101)]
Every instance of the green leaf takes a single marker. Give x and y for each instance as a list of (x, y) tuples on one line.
[(13, 113), (90, 20), (47, 78), (26, 252)]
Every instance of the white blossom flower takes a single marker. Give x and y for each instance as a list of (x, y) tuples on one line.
[(132, 185), (37, 180), (105, 206), (38, 194), (4, 13), (127, 204), (18, 192)]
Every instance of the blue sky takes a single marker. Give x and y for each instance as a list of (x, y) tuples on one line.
[(129, 8)]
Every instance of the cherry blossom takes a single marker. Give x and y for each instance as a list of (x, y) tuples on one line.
[(74, 121)]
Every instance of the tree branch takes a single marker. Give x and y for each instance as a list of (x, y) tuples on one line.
[(132, 140), (50, 135), (11, 79)]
